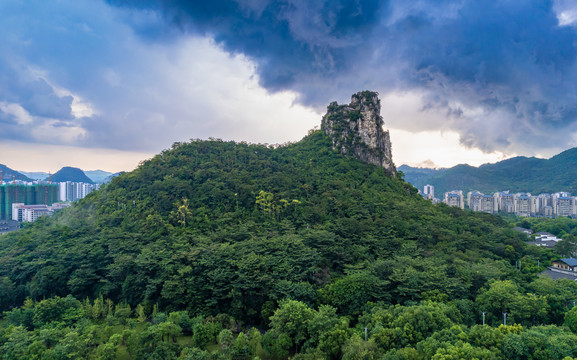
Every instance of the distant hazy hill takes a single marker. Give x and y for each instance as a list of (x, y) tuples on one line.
[(9, 174), (518, 174), (71, 174), (112, 176), (36, 175), (418, 175), (98, 176)]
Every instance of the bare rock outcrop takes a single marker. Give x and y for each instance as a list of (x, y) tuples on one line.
[(356, 130)]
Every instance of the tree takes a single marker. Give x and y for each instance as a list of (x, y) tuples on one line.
[(182, 212), (571, 319), (568, 246), (356, 348), (292, 318), (351, 293), (499, 298), (322, 321), (463, 351)]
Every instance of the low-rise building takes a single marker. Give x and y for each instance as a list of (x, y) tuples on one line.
[(31, 213), (569, 264), (546, 236)]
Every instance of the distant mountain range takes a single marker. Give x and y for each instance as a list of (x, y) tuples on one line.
[(65, 174), (99, 176), (518, 174), (9, 174)]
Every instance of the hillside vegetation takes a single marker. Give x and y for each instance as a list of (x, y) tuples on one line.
[(211, 239)]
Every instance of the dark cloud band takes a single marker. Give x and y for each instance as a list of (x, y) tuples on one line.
[(511, 59)]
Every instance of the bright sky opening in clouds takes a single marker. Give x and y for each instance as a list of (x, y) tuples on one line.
[(108, 83)]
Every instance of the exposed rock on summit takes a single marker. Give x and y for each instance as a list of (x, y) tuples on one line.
[(356, 130)]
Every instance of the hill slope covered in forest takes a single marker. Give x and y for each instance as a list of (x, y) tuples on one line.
[(302, 215), (211, 238)]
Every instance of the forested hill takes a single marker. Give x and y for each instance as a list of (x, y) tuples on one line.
[(234, 230), (218, 226), (518, 174)]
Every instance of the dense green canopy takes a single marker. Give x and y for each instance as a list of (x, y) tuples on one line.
[(264, 236)]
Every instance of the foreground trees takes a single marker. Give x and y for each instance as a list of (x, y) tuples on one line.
[(63, 328)]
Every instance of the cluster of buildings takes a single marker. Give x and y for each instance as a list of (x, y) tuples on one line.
[(25, 202), (72, 191), (520, 204), (31, 213)]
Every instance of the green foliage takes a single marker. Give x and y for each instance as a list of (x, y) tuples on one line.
[(292, 318), (571, 319), (351, 293), (205, 333), (219, 227), (216, 249)]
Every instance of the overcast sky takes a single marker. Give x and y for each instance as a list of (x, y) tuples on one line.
[(105, 84)]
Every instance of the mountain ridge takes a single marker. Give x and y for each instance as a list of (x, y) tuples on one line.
[(517, 174), (9, 174), (69, 173)]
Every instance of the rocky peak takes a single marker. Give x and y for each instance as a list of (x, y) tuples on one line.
[(356, 130)]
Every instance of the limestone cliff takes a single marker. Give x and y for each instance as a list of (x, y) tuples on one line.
[(356, 130)]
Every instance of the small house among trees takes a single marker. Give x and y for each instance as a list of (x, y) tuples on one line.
[(565, 264)]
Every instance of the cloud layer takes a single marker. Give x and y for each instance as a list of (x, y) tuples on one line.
[(77, 74), (501, 72), (138, 75)]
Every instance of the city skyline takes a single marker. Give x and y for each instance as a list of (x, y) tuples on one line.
[(107, 84)]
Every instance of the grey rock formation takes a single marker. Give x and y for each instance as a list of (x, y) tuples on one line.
[(356, 130)]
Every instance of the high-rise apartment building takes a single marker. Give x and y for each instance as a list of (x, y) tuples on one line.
[(72, 191), (454, 198), (429, 191), (474, 200), (523, 204), (505, 201), (35, 194)]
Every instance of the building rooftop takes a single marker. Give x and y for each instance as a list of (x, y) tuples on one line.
[(8, 225), (569, 261), (518, 228), (546, 244), (556, 275)]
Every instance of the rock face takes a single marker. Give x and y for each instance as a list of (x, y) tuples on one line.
[(357, 130)]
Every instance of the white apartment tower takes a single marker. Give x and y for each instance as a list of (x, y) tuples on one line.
[(454, 198), (523, 204), (505, 201), (474, 200), (429, 191)]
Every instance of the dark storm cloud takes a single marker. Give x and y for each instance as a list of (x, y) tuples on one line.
[(293, 41), (504, 71), (28, 102)]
